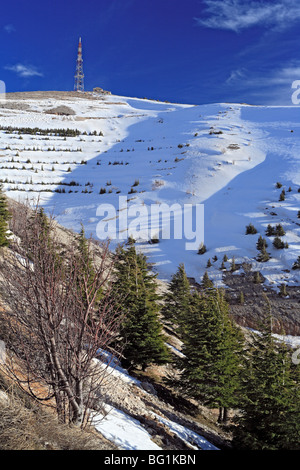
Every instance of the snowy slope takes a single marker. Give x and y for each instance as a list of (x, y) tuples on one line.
[(225, 156)]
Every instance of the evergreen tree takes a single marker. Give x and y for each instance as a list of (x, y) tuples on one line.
[(202, 249), (263, 255), (261, 243), (270, 409), (4, 218), (282, 290), (278, 243), (279, 230), (250, 229), (207, 283), (282, 195), (257, 278), (210, 367), (177, 305), (141, 330), (296, 264), (233, 266), (270, 231)]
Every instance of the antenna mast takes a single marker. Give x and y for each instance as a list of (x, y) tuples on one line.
[(79, 86)]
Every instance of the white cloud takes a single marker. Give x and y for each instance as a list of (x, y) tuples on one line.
[(24, 70), (278, 76), (235, 75), (237, 15), (9, 28), (271, 86)]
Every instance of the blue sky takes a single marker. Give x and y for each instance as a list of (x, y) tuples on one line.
[(187, 51)]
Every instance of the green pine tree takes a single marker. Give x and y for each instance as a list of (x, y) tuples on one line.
[(261, 243), (296, 264), (269, 412), (270, 231), (141, 329), (263, 255), (177, 301), (233, 266), (210, 367), (207, 283)]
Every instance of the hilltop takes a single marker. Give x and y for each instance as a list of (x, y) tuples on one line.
[(78, 152), (235, 159)]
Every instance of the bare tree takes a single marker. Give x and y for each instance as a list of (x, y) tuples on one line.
[(60, 314)]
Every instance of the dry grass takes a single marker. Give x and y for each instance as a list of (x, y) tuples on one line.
[(24, 427)]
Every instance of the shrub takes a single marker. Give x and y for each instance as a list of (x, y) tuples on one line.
[(282, 290), (263, 256), (279, 244), (202, 249), (261, 242), (279, 231), (270, 231), (233, 266), (282, 195), (257, 278), (250, 229), (296, 264)]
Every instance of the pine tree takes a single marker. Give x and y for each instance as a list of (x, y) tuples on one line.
[(233, 266), (263, 255), (270, 231), (207, 283), (177, 301), (296, 264), (210, 367), (257, 278), (250, 229), (261, 243), (271, 405), (4, 218), (202, 249), (282, 290), (278, 243), (282, 195), (141, 330), (279, 230)]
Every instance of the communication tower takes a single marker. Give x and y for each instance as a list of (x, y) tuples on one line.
[(79, 85)]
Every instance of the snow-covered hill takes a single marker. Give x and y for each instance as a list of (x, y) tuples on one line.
[(227, 157)]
